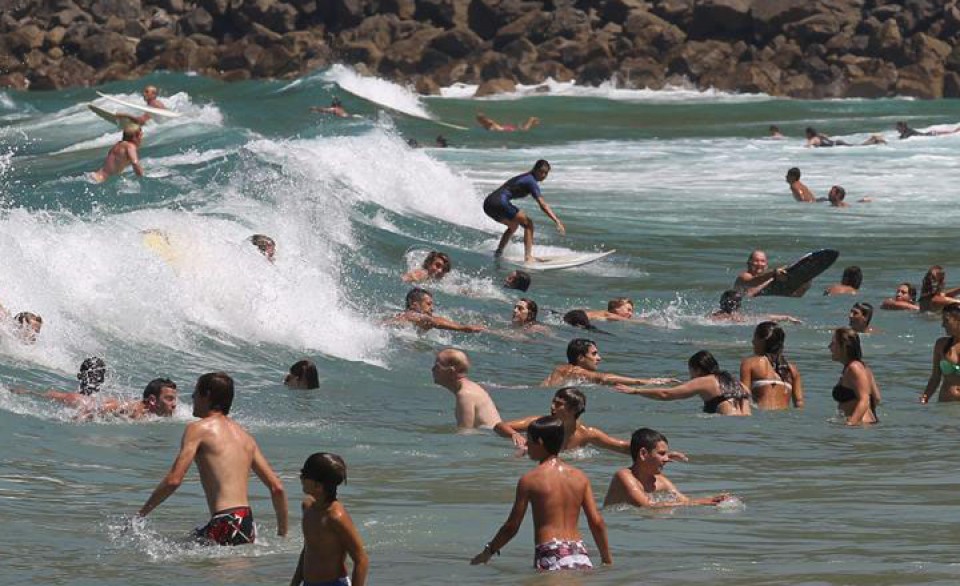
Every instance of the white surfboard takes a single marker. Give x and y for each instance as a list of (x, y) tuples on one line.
[(155, 111), (563, 261), (404, 113), (105, 114)]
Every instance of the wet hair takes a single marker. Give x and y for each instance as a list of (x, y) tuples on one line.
[(306, 371), (852, 277), (794, 173), (933, 281), (92, 373), (575, 399), (412, 143), (130, 131), (774, 128), (841, 192), (730, 301), (549, 431), (810, 132), (154, 387), (335, 102), (577, 348), (849, 342), (771, 335), (442, 141), (578, 318), (24, 316), (617, 303), (434, 255), (541, 164), (704, 362), (262, 241), (521, 281), (416, 295), (645, 438), (218, 387), (532, 309), (952, 310), (866, 309), (911, 290), (328, 469), (901, 124)]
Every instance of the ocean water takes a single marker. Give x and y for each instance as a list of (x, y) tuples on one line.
[(681, 183)]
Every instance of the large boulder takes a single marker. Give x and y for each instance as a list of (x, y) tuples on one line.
[(597, 71), (495, 86), (154, 43), (652, 34), (402, 8), (721, 19), (818, 28), (338, 15), (197, 21), (771, 16), (679, 12), (125, 9), (617, 11), (381, 30), (276, 61), (443, 13), (869, 77), (641, 73), (568, 22), (24, 39), (69, 72), (277, 16), (918, 82), (403, 56), (697, 58), (361, 52), (457, 43), (107, 48)]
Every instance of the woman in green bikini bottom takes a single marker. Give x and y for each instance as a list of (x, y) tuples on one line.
[(946, 359)]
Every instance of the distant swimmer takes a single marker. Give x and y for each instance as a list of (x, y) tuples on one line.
[(818, 139), (303, 375), (860, 316), (150, 97), (489, 123), (225, 454), (907, 132), (29, 325), (434, 267), (441, 142), (721, 393), (798, 189), (837, 194), (122, 154), (583, 362), (730, 310), (904, 299), (265, 244), (474, 407), (934, 295), (329, 534), (643, 484), (519, 280), (557, 491), (419, 312), (773, 381), (335, 108), (618, 309), (849, 283), (774, 131), (498, 205), (856, 393), (946, 360)]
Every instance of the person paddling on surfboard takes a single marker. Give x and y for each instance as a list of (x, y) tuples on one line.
[(150, 97), (336, 108), (122, 154), (499, 207)]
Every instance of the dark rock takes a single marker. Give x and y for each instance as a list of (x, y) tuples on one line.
[(928, 52), (443, 13), (495, 86), (70, 72), (618, 10), (432, 60), (721, 18), (678, 12), (796, 85), (641, 73), (876, 81), (263, 36), (277, 16), (275, 61), (106, 48), (134, 29), (597, 71), (918, 82), (125, 9), (521, 51), (236, 75), (951, 85), (529, 26), (361, 51), (652, 33), (759, 78), (54, 36), (172, 6), (457, 43), (814, 29), (233, 57), (204, 40), (115, 72), (76, 35), (35, 59), (14, 80), (68, 16), (454, 72), (153, 43), (426, 86), (402, 8), (381, 30), (25, 39), (197, 21), (698, 58), (486, 17), (569, 23), (159, 18), (403, 56), (495, 66), (215, 7), (341, 14)]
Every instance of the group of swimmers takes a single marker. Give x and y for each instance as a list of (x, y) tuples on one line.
[(817, 139)]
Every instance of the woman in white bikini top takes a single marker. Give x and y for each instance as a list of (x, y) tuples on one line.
[(773, 382)]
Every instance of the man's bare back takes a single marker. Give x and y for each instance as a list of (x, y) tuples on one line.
[(224, 457), (120, 155), (475, 408), (556, 491)]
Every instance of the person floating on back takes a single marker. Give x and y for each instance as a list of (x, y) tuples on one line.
[(558, 492), (329, 534), (498, 205)]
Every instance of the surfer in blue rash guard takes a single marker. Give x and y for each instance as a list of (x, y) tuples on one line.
[(150, 97), (499, 207)]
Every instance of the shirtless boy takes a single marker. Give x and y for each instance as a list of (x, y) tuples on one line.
[(558, 492), (638, 484), (225, 454), (329, 534), (583, 360), (474, 407), (419, 312), (800, 191), (122, 154)]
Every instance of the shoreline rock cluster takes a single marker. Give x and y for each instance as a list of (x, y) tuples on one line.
[(796, 48)]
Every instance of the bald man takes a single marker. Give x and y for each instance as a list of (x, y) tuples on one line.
[(150, 97), (474, 408)]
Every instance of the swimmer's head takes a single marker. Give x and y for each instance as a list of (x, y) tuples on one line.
[(768, 339), (413, 143), (571, 399), (583, 353), (702, 364), (793, 174), (906, 292), (546, 433), (519, 280), (852, 277), (525, 311), (774, 129), (622, 306), (214, 392), (328, 470), (845, 346), (442, 141), (336, 103), (449, 366), (302, 375), (901, 126), (645, 439), (578, 318), (437, 264), (160, 397), (419, 300), (92, 373), (541, 169), (810, 132), (757, 262), (933, 281), (150, 93), (730, 301), (131, 132), (860, 315), (951, 318), (836, 194), (266, 245), (29, 325)]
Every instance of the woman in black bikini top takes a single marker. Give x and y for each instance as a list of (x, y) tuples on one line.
[(856, 393)]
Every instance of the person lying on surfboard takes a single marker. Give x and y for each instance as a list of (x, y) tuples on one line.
[(498, 205), (492, 125), (419, 312), (150, 97), (583, 361), (122, 154), (336, 108)]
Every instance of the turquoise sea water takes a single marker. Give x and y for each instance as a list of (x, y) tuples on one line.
[(682, 184)]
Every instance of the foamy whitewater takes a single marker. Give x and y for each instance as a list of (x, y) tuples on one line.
[(682, 184)]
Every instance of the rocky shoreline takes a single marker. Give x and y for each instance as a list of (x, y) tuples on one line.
[(796, 48)]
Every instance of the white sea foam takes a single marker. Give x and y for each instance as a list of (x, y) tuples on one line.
[(377, 90)]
